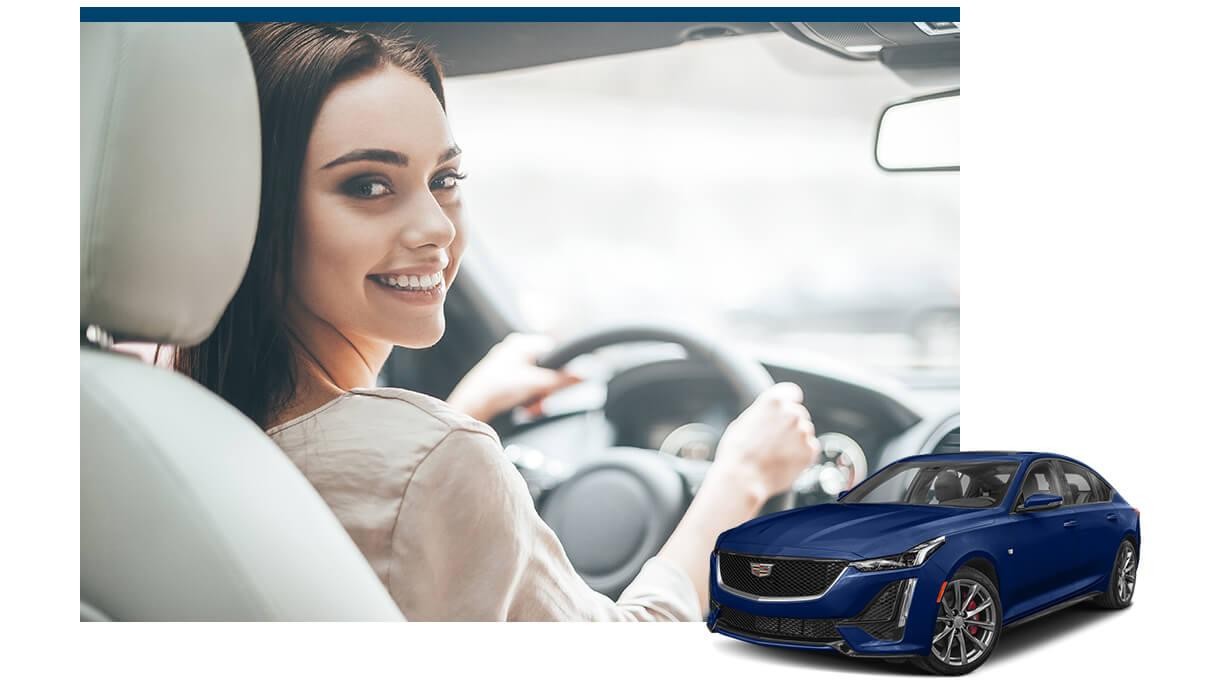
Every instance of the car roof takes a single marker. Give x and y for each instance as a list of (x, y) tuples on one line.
[(991, 455)]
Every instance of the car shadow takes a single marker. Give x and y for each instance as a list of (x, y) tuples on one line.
[(1017, 640), (806, 658), (1013, 643)]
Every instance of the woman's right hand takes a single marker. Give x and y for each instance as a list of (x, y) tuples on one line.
[(760, 455), (769, 444)]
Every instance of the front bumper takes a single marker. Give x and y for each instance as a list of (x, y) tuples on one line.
[(880, 613)]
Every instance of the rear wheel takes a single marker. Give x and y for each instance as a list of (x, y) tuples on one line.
[(1122, 578), (968, 622)]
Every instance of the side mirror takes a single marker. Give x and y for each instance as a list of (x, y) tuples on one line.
[(922, 134), (842, 493), (1040, 501)]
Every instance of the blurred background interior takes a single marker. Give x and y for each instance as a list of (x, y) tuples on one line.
[(725, 184)]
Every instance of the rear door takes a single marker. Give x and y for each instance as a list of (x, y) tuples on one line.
[(1097, 530)]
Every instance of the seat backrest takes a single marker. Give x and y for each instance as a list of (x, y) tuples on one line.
[(947, 486), (1074, 494), (188, 510)]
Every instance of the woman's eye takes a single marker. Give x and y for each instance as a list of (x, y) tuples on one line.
[(367, 188), (447, 181)]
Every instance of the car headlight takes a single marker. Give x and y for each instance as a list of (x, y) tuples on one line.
[(909, 559)]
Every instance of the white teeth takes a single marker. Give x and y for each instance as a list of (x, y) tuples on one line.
[(427, 282)]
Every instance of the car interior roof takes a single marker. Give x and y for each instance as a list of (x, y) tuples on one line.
[(486, 47), (467, 48)]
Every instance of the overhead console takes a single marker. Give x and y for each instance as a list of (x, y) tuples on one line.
[(921, 53)]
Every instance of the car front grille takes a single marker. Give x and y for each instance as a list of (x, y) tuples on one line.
[(879, 619), (802, 629), (787, 577)]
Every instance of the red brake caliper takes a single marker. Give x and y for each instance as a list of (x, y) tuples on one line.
[(974, 630)]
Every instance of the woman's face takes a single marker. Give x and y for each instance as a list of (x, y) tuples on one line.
[(380, 231)]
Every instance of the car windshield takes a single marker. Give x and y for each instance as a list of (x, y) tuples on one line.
[(971, 484), (726, 185)]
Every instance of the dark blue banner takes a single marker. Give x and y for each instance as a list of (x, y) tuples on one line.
[(503, 14)]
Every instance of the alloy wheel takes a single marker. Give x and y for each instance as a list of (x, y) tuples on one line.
[(966, 623), (1126, 575)]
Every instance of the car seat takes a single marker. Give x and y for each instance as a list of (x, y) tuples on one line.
[(947, 486), (1074, 495), (187, 509)]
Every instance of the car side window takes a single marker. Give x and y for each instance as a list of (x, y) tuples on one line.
[(1081, 484), (1040, 478), (1104, 492)]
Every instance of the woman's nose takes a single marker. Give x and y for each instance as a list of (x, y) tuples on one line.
[(426, 223)]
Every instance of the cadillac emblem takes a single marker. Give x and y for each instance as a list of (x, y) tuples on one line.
[(761, 570)]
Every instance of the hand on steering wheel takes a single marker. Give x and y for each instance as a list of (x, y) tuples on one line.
[(508, 376), (746, 378), (772, 441), (648, 492)]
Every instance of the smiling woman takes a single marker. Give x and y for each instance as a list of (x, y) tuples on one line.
[(329, 185), (379, 204), (360, 236)]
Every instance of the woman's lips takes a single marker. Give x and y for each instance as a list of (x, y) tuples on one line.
[(428, 289)]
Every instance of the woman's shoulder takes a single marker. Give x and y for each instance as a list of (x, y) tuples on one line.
[(384, 414), (399, 403)]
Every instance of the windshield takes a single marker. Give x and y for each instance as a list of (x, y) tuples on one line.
[(971, 484), (726, 185)]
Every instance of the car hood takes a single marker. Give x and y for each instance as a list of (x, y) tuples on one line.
[(848, 531)]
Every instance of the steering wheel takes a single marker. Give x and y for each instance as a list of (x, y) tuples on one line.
[(617, 510)]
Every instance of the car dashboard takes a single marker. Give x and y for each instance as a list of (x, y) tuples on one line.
[(680, 407)]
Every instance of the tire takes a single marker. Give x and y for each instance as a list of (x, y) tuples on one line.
[(954, 650), (1121, 589)]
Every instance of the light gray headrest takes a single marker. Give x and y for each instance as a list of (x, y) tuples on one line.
[(170, 169)]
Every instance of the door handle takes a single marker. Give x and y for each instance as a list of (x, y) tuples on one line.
[(1111, 517), (1069, 524)]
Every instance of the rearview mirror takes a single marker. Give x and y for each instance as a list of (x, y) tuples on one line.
[(1041, 500), (922, 134)]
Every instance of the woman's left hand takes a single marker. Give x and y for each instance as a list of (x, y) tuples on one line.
[(509, 377)]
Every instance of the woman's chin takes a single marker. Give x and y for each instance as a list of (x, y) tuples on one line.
[(421, 336)]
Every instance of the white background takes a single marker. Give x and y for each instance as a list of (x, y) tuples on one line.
[(1089, 273)]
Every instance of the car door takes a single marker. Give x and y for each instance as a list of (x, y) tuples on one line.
[(1040, 551), (1097, 531)]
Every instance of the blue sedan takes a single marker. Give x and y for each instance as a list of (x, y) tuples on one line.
[(929, 559)]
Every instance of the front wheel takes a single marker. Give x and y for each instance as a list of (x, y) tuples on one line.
[(1122, 578), (968, 624)]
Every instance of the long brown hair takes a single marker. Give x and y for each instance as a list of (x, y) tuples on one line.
[(248, 359)]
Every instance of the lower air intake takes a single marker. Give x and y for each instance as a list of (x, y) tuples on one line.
[(802, 629)]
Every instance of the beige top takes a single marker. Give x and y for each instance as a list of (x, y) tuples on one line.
[(447, 522)]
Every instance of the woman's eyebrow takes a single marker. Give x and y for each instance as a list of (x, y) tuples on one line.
[(369, 154), (385, 156), (449, 154)]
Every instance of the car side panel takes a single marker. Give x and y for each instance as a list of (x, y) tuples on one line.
[(1035, 566), (1097, 535), (1098, 529)]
